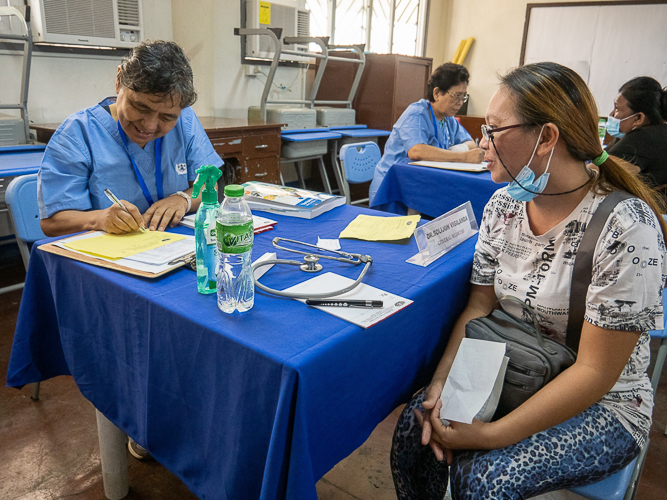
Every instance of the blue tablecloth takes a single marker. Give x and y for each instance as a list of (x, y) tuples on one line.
[(433, 191), (248, 406), (20, 160)]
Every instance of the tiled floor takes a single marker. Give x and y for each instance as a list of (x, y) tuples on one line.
[(48, 448)]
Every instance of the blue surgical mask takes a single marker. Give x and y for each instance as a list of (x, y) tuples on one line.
[(524, 187), (614, 126)]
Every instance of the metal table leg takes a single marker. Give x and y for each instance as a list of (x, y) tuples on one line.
[(113, 453)]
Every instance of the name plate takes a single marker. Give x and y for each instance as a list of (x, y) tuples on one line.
[(439, 236)]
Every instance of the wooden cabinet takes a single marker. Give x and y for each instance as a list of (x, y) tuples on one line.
[(251, 150), (389, 84)]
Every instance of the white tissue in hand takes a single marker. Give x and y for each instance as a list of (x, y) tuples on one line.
[(471, 379)]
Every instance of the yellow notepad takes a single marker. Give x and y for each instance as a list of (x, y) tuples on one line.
[(372, 228), (118, 246)]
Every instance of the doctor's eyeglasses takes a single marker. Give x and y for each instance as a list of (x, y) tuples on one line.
[(487, 132), (462, 98)]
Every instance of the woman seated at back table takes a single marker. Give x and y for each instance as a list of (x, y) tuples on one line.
[(144, 145), (427, 129), (591, 420), (638, 126)]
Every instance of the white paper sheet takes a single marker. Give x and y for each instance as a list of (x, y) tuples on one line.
[(471, 379), (363, 317)]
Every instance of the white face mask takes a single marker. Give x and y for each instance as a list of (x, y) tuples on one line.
[(524, 187)]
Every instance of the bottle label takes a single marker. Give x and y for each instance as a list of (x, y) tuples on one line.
[(209, 227), (234, 238)]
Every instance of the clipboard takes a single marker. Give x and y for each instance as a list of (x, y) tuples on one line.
[(450, 165), (95, 261)]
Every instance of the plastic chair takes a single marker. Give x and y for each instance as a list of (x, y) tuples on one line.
[(358, 161), (623, 484), (21, 198)]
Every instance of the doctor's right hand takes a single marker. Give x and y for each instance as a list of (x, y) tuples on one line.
[(115, 220), (475, 155)]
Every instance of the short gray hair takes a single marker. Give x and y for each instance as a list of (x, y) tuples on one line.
[(160, 68)]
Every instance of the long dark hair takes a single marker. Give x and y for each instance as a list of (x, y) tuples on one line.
[(645, 95), (550, 93)]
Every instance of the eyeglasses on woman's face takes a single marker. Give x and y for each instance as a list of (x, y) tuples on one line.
[(487, 131), (462, 97)]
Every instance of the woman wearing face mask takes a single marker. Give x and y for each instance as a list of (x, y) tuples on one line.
[(598, 411), (638, 126), (427, 129)]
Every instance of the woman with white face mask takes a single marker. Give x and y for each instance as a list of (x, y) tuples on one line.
[(638, 126), (592, 419)]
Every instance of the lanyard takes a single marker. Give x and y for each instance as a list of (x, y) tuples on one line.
[(158, 168), (435, 126)]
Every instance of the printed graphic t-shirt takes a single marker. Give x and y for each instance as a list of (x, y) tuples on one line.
[(625, 294)]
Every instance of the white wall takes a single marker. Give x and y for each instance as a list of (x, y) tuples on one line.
[(205, 29), (497, 28), (61, 84)]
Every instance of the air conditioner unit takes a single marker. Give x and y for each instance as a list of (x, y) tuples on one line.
[(289, 15), (102, 23)]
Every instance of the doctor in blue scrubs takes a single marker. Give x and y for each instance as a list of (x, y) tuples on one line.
[(427, 129), (144, 145)]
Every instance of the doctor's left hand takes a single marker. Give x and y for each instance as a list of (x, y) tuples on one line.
[(165, 212)]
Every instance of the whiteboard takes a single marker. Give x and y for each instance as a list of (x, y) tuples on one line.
[(607, 44)]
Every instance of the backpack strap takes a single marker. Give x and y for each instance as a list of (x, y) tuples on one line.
[(583, 266)]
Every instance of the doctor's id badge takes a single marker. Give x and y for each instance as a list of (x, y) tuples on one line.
[(439, 236)]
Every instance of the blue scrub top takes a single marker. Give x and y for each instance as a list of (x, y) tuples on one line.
[(415, 126), (86, 155)]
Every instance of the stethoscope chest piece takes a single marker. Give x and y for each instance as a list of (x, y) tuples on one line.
[(312, 264)]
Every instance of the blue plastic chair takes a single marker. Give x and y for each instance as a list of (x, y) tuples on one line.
[(21, 198), (358, 162), (623, 484)]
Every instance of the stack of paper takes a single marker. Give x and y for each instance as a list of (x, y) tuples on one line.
[(289, 201), (261, 224), (375, 228)]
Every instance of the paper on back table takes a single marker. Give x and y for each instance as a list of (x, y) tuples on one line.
[(471, 379)]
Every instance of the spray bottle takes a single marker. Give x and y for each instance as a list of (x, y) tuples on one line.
[(205, 241)]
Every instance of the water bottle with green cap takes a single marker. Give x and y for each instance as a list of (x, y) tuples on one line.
[(235, 233), (205, 222)]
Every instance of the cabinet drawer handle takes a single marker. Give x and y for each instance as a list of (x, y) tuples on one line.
[(261, 146), (264, 174)]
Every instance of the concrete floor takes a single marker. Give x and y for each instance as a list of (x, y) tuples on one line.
[(49, 449)]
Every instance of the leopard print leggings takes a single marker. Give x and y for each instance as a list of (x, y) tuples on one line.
[(585, 449)]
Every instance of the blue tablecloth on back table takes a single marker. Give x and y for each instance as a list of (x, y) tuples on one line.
[(433, 191), (259, 405), (20, 160)]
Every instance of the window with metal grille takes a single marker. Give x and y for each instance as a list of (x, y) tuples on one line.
[(385, 26)]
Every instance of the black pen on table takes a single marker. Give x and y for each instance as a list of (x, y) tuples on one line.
[(115, 200), (344, 303)]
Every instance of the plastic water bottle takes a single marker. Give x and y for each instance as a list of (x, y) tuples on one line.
[(234, 232), (602, 130)]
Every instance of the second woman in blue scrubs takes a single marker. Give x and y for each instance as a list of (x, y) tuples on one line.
[(427, 129), (144, 145)]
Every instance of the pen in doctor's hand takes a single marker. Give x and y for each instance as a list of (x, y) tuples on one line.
[(116, 201), (345, 303)]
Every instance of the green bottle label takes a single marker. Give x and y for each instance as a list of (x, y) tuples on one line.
[(234, 238)]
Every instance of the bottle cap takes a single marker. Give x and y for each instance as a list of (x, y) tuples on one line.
[(233, 190), (207, 176)]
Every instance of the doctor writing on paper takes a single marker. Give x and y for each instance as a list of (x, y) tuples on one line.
[(592, 419), (427, 129), (143, 144)]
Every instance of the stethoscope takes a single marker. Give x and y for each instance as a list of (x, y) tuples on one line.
[(311, 264)]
